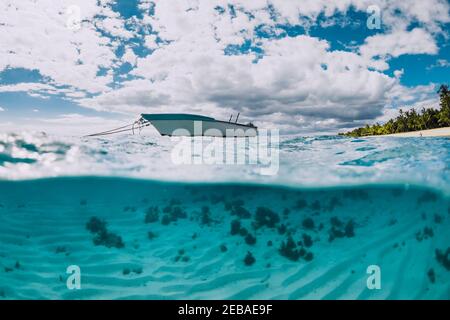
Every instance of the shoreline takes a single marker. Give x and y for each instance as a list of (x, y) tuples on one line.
[(438, 132)]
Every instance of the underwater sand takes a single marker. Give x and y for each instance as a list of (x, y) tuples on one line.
[(43, 230)]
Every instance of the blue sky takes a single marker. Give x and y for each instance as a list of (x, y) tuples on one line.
[(299, 67)]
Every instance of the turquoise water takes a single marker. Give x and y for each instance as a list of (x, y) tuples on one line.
[(139, 226)]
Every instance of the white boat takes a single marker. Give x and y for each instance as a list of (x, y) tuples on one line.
[(183, 124)]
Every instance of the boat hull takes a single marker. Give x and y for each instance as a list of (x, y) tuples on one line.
[(212, 128)]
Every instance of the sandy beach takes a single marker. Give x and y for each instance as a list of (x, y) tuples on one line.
[(440, 132)]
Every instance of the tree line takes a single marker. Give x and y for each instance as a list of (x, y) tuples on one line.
[(411, 120)]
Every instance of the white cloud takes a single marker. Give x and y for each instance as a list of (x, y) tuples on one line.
[(65, 124), (2, 109), (150, 41), (129, 57), (35, 36), (416, 41), (299, 82)]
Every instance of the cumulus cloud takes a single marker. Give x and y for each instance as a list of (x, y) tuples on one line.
[(416, 41), (288, 82)]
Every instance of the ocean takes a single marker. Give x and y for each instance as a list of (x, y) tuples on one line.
[(338, 218)]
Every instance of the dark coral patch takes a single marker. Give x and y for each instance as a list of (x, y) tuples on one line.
[(235, 227), (443, 258), (249, 259), (289, 249), (250, 239), (265, 217), (340, 230), (95, 225), (300, 204), (308, 223), (205, 218), (282, 229), (102, 235), (307, 240), (108, 239), (152, 215), (431, 275)]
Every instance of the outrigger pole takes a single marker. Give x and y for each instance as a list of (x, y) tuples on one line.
[(138, 124)]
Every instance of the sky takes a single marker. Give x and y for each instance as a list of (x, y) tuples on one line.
[(308, 67)]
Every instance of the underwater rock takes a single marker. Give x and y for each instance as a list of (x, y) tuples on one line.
[(249, 259), (443, 258), (102, 235), (431, 275), (108, 239), (178, 213), (223, 248), (265, 217), (309, 256), (151, 235), (286, 212), (338, 230), (17, 265), (269, 243), (194, 236), (60, 249), (241, 212), (289, 249), (308, 223), (335, 222), (282, 229), (126, 271), (243, 232), (8, 269), (250, 239), (392, 222), (165, 220), (172, 214), (83, 202), (137, 270), (350, 229), (181, 256), (152, 215), (425, 234), (235, 227), (335, 233), (95, 225)]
